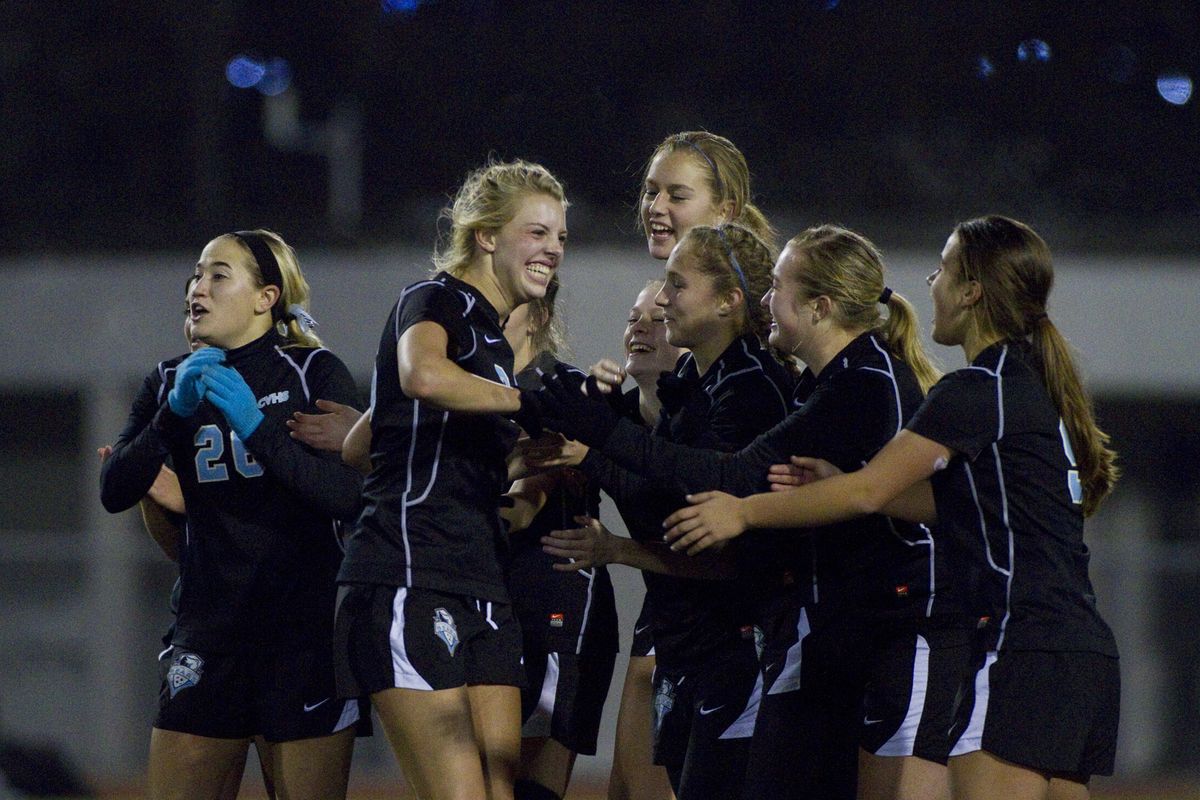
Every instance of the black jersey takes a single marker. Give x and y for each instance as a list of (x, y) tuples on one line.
[(569, 612), (1009, 504), (261, 548), (742, 393), (431, 516), (857, 403)]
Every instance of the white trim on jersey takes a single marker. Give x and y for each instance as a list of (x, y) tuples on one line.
[(474, 346), (904, 740), (405, 503), (404, 674), (301, 371), (788, 679), (538, 724)]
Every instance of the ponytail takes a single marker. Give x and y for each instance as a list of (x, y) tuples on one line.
[(1096, 462), (901, 331)]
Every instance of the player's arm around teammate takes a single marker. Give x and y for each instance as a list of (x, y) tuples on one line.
[(1015, 423), (424, 622)]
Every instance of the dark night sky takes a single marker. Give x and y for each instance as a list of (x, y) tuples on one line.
[(120, 130)]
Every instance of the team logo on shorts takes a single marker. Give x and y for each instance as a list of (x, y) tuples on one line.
[(664, 701), (184, 672), (444, 629)]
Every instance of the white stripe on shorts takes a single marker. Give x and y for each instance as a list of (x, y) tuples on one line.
[(743, 726), (789, 674), (971, 739), (538, 724), (349, 716), (905, 738), (404, 674)]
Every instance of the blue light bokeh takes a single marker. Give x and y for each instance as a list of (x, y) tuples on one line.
[(1175, 88)]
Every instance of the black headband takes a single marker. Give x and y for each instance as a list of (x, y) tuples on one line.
[(268, 267)]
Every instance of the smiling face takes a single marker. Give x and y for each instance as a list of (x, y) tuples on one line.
[(692, 308), (787, 304), (528, 249), (228, 309), (676, 197), (647, 351)]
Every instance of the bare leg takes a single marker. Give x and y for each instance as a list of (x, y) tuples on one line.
[(432, 736), (634, 775), (546, 762), (184, 766), (310, 769), (233, 780), (901, 778), (1064, 789), (496, 716), (983, 776)]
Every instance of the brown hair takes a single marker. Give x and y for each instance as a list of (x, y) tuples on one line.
[(550, 333), (728, 176), (1013, 267), (848, 269), (735, 258)]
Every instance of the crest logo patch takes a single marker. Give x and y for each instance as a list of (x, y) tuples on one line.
[(445, 629), (664, 701), (185, 672)]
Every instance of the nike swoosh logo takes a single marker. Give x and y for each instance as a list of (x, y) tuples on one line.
[(307, 707), (867, 721), (637, 630), (706, 711), (490, 340)]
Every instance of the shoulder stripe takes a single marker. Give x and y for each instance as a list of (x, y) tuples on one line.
[(302, 371)]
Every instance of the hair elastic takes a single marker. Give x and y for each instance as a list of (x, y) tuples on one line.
[(268, 267), (737, 268), (885, 295)]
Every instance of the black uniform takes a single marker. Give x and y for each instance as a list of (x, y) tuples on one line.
[(261, 551), (423, 571), (706, 677), (864, 641), (1047, 695), (568, 619)]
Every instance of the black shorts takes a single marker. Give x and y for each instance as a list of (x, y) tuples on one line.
[(281, 697), (703, 718), (389, 637), (1055, 713), (643, 639), (564, 696)]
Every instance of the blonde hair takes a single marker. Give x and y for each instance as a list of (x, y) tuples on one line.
[(486, 201), (550, 331), (728, 176), (848, 269), (1013, 267), (716, 250), (295, 290)]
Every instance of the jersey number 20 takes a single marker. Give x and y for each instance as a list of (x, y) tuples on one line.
[(212, 447)]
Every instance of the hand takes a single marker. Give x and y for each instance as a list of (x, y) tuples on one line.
[(591, 545), (324, 431), (575, 407), (184, 398), (226, 389), (166, 492), (548, 453), (609, 376), (529, 413), (712, 518), (801, 470), (104, 452)]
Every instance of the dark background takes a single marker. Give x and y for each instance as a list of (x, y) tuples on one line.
[(120, 131)]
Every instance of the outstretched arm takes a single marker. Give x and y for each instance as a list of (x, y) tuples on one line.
[(715, 517)]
